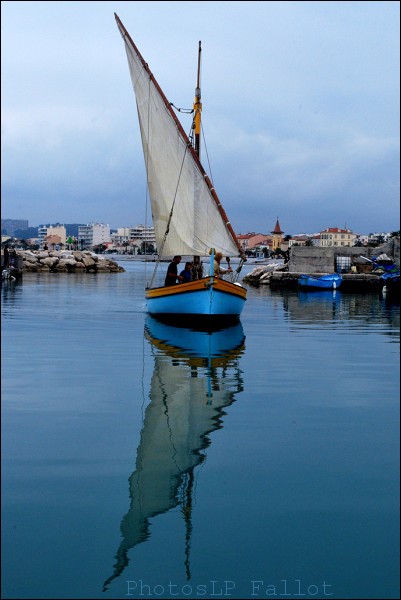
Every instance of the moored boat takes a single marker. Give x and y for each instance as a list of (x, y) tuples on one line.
[(331, 281)]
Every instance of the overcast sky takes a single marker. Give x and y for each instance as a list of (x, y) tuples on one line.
[(300, 109)]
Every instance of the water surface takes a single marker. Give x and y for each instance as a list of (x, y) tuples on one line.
[(141, 460)]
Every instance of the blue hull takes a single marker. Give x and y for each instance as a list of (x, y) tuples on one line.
[(326, 282), (208, 297), (202, 343)]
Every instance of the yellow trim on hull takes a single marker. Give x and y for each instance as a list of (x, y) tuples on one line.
[(196, 361), (198, 286)]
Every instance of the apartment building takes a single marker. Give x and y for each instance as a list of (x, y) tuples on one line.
[(249, 241), (134, 236), (143, 233), (334, 236), (45, 231), (92, 235)]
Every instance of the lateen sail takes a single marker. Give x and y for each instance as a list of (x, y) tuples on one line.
[(176, 180)]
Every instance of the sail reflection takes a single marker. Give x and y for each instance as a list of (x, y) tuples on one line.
[(196, 375)]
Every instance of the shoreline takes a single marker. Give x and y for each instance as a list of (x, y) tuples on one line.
[(61, 261)]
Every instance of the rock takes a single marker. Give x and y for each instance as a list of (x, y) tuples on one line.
[(50, 261), (262, 275), (30, 258), (66, 262)]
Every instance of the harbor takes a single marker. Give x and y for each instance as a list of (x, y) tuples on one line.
[(355, 265), (137, 452), (200, 301)]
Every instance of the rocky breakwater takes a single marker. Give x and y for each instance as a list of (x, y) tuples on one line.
[(65, 261), (262, 275)]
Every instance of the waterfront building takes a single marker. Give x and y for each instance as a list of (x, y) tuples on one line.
[(121, 236), (298, 240), (133, 237), (58, 230), (44, 231), (92, 235), (334, 236), (143, 234), (250, 241)]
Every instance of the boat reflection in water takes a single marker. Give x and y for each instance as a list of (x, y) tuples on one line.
[(196, 375)]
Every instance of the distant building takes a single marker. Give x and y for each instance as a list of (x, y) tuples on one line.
[(378, 238), (143, 233), (44, 231), (121, 236), (277, 237), (249, 241), (9, 226), (298, 240), (53, 242), (334, 236), (134, 236), (92, 235), (58, 230)]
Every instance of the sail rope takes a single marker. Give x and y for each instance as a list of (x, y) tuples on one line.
[(235, 274), (207, 154), (186, 111), (147, 186)]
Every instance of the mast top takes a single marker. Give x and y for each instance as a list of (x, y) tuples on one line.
[(197, 107)]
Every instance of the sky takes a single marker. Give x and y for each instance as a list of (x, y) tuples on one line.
[(300, 109)]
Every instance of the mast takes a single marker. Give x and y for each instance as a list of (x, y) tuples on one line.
[(197, 269), (198, 107)]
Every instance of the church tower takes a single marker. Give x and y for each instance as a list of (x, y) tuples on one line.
[(277, 236)]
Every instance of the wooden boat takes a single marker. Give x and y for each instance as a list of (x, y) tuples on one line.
[(196, 376), (324, 282), (188, 217)]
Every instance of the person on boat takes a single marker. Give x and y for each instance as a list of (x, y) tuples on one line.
[(197, 268), (186, 273), (172, 273), (12, 257), (6, 255), (218, 270)]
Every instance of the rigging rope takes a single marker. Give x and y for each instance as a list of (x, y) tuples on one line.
[(207, 154), (147, 181), (186, 111)]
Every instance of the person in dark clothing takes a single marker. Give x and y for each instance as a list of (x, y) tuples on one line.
[(12, 257), (6, 255), (186, 273), (172, 273)]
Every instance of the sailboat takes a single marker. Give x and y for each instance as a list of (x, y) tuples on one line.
[(196, 376), (188, 217)]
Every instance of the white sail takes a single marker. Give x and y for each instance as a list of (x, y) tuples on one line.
[(176, 182)]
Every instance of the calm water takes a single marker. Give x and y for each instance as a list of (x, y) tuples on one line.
[(141, 460)]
